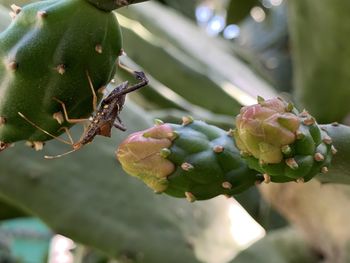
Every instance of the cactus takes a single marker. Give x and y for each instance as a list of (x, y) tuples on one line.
[(193, 160), (49, 52), (281, 143)]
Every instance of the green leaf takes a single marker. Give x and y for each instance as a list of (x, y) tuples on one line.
[(280, 246)]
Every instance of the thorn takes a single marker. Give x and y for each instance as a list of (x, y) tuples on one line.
[(29, 144), (187, 167), (333, 150), (260, 99), (165, 152), (186, 120), (41, 14), (190, 197), (4, 145), (319, 157), (158, 122), (113, 81), (304, 114), (38, 146), (244, 154), (2, 121), (12, 15), (289, 107), (292, 163), (286, 149), (335, 124), (16, 9), (230, 132), (327, 140), (61, 69), (228, 196), (227, 185), (98, 48), (218, 149), (173, 135), (267, 178), (122, 52), (58, 116), (299, 135), (309, 121), (102, 90), (300, 180), (12, 65), (261, 162), (324, 170)]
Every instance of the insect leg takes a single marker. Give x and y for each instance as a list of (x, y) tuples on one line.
[(69, 120)]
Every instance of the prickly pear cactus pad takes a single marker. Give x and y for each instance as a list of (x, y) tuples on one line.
[(49, 52), (193, 160), (281, 143)]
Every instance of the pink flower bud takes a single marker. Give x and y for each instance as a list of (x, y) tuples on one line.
[(263, 129), (140, 156)]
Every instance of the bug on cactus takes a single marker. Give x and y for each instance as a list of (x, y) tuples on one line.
[(105, 117)]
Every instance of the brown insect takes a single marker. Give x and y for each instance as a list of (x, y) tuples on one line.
[(105, 117)]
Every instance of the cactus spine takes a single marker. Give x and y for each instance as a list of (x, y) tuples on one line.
[(47, 53)]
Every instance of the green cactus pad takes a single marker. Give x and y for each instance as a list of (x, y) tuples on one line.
[(205, 161), (48, 52), (309, 154)]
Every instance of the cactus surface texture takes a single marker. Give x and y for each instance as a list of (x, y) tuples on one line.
[(49, 52), (282, 143), (193, 160)]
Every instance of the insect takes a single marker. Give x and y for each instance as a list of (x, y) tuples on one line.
[(105, 117)]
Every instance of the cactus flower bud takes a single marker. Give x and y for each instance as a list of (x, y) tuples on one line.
[(141, 155), (281, 143), (258, 127)]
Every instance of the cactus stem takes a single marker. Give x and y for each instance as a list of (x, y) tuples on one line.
[(2, 120), (227, 185), (334, 150), (267, 178), (260, 99), (324, 170), (98, 48), (292, 163), (309, 121), (218, 149), (16, 9), (286, 149), (186, 120), (299, 135), (319, 157), (190, 197), (158, 122), (335, 124), (12, 65), (165, 152), (187, 167), (300, 180), (327, 140), (58, 116), (41, 14), (61, 69)]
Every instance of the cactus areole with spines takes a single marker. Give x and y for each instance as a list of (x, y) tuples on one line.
[(281, 142), (47, 53), (194, 160)]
